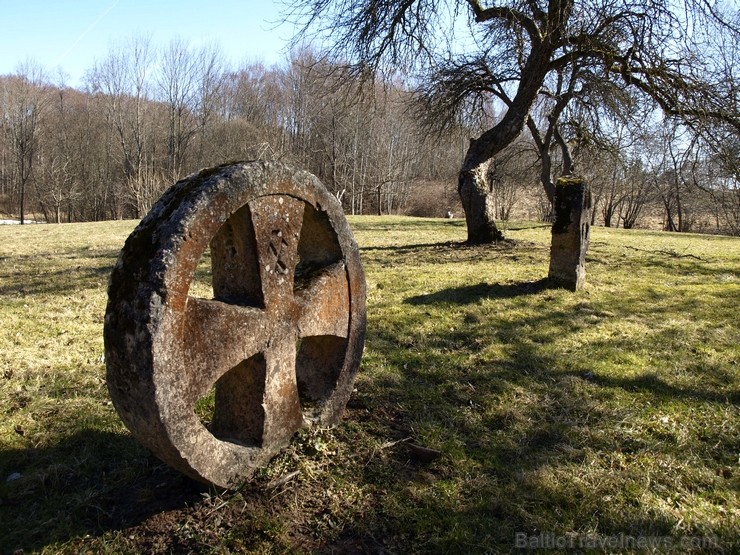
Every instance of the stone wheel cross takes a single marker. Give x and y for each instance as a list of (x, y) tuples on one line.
[(280, 342)]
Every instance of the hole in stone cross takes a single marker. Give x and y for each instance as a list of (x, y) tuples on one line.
[(319, 362), (318, 246), (204, 407), (234, 262), (232, 410), (202, 284)]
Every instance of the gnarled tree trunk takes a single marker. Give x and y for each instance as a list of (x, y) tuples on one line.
[(473, 184), (477, 197)]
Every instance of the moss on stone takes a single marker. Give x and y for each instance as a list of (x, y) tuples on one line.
[(567, 181)]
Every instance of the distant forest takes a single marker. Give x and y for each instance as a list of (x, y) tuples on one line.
[(146, 117)]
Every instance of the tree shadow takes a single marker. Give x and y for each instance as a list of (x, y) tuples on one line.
[(438, 253), (661, 390), (474, 293), (57, 281), (565, 420), (86, 484)]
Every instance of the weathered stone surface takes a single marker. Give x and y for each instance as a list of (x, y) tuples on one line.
[(281, 340), (570, 233)]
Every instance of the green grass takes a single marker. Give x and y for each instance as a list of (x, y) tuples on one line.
[(610, 414)]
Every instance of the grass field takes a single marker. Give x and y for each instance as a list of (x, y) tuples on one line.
[(606, 420)]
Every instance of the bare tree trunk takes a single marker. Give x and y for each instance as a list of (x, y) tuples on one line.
[(22, 207), (475, 191), (478, 203)]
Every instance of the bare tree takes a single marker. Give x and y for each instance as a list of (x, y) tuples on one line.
[(190, 85), (511, 172), (210, 76), (719, 151), (176, 84), (23, 101), (718, 142), (639, 43), (637, 194), (122, 82), (56, 183), (671, 176)]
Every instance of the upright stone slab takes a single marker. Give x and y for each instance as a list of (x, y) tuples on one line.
[(278, 344), (570, 233)]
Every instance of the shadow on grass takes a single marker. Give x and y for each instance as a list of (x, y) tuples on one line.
[(444, 252), (456, 410), (474, 293), (660, 389), (534, 440), (365, 225), (89, 483), (670, 262), (61, 280), (362, 224)]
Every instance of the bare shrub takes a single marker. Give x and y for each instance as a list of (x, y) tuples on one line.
[(433, 199)]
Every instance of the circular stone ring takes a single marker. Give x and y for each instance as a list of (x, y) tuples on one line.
[(278, 345)]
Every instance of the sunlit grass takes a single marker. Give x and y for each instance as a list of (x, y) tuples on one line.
[(614, 410)]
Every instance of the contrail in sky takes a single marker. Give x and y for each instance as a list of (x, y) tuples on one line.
[(86, 31)]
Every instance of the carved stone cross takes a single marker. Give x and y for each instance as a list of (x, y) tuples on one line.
[(280, 341)]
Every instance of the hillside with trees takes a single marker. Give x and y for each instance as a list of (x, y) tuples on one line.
[(147, 117)]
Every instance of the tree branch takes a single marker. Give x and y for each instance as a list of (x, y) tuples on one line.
[(509, 15)]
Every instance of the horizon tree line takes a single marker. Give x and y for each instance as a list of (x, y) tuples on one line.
[(146, 117)]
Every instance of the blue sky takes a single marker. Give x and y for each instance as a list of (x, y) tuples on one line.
[(72, 34)]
